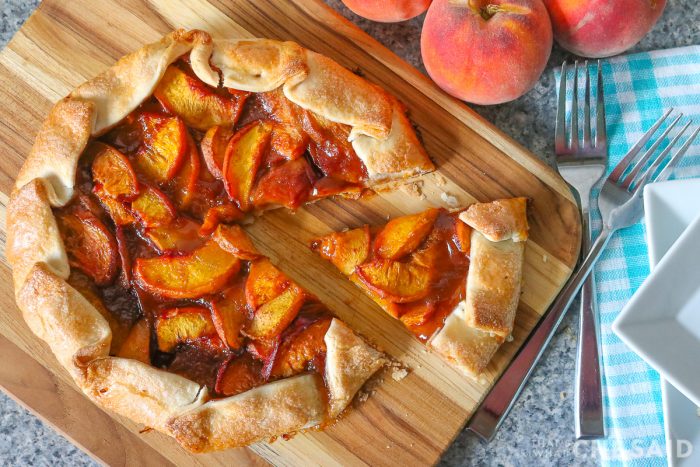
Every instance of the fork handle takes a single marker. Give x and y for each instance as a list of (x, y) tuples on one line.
[(588, 391), (497, 404)]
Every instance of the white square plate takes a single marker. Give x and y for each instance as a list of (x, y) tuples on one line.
[(670, 207)]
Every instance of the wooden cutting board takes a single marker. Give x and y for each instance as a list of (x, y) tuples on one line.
[(408, 422)]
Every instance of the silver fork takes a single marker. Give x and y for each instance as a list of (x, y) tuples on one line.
[(582, 166), (621, 205)]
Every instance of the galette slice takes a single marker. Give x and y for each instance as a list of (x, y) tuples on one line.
[(452, 278)]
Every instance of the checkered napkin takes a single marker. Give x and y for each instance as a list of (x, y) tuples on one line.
[(638, 89)]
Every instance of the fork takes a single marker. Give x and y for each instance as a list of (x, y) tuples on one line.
[(620, 204), (582, 166)]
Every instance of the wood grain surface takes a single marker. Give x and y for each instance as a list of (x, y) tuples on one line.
[(408, 422)]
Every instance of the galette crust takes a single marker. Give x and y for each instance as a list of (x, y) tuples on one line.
[(493, 284), (469, 350), (33, 236), (480, 323), (350, 361), (58, 314), (58, 145), (499, 220), (139, 391), (284, 406), (80, 336), (254, 65), (399, 156), (343, 97)]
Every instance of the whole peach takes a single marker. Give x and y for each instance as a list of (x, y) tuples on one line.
[(388, 11), (601, 28), (486, 51)]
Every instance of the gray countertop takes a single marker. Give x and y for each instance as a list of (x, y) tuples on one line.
[(540, 428)]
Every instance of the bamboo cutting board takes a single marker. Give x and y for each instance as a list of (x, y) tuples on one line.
[(408, 422)]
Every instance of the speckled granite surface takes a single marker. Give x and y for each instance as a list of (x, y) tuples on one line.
[(540, 429)]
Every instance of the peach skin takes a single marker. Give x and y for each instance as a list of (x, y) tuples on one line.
[(388, 11), (486, 51), (601, 28)]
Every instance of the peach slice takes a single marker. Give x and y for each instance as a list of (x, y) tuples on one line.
[(89, 245), (395, 281), (153, 208), (274, 316), (243, 156), (233, 239), (217, 214), (403, 235), (239, 375), (119, 214), (265, 352), (463, 236), (229, 315), (288, 184), (124, 257), (288, 141), (282, 109), (346, 250), (328, 186), (204, 271), (264, 283), (330, 149), (197, 104), (112, 172), (297, 353), (394, 309), (164, 146), (137, 343), (180, 235), (214, 149), (417, 313), (179, 325), (185, 183)]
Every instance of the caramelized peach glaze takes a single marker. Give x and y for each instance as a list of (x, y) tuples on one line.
[(415, 267), (153, 244)]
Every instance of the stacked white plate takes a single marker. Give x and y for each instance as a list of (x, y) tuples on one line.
[(662, 321)]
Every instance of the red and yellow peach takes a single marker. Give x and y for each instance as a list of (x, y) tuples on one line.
[(486, 51), (388, 11), (601, 28)]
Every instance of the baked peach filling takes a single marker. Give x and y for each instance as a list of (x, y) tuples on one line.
[(153, 240), (415, 267)]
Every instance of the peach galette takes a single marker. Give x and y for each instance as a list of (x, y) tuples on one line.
[(452, 278), (125, 240)]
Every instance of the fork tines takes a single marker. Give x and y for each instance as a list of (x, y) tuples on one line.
[(570, 145), (629, 173)]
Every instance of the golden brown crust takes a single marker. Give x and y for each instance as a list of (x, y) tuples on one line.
[(476, 328), (499, 220), (285, 406), (466, 348), (58, 145), (350, 361), (32, 234), (493, 284), (399, 156), (64, 319), (139, 391), (341, 96), (257, 65), (126, 84)]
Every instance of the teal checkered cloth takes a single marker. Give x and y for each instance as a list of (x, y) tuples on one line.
[(638, 89)]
